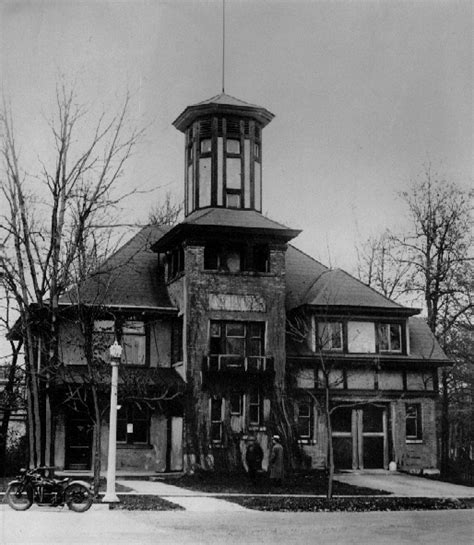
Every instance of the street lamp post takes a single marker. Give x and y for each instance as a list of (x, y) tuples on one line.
[(110, 494)]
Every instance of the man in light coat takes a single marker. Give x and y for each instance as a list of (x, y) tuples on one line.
[(276, 462)]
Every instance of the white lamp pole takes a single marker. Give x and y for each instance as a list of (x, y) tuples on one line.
[(110, 495)]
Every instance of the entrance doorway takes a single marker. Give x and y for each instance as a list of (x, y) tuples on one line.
[(360, 437), (78, 443)]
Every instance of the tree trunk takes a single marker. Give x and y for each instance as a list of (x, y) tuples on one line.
[(330, 445), (444, 423), (97, 441)]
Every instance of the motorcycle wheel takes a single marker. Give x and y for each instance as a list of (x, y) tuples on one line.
[(78, 498), (19, 498)]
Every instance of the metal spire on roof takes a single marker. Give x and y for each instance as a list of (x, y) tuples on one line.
[(223, 46)]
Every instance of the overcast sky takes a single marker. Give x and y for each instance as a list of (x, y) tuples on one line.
[(364, 93)]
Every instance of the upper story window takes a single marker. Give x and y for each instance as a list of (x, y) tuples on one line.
[(389, 337), (175, 260), (235, 258), (359, 337), (131, 334), (206, 144), (134, 343), (237, 339), (233, 146), (330, 336)]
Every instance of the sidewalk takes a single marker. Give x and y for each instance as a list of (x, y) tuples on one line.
[(398, 484), (401, 484)]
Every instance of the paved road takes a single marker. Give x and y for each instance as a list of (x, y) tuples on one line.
[(99, 526)]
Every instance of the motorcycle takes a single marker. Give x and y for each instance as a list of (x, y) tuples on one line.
[(36, 485)]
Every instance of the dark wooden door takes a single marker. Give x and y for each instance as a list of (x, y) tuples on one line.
[(78, 443)]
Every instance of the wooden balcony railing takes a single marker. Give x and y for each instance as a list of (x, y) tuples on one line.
[(236, 363)]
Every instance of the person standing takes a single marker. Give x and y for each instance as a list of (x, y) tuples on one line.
[(276, 461), (253, 458)]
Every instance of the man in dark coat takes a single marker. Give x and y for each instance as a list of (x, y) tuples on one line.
[(253, 458), (276, 461)]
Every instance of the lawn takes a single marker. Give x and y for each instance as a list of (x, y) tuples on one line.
[(302, 483)]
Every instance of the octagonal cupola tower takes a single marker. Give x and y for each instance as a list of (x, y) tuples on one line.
[(223, 153)]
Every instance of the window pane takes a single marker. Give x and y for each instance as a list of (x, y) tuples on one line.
[(373, 419), (256, 329), (258, 175), (383, 338), (206, 145), (211, 258), (233, 146), (395, 338), (133, 327), (342, 420), (254, 347), (140, 431), (330, 336), (235, 404), (220, 166), (236, 329), (216, 409), (134, 349), (233, 201), (233, 174), (216, 431), (235, 345), (361, 337), (205, 182), (215, 329), (247, 174), (121, 430)]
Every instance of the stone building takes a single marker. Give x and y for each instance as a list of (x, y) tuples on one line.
[(229, 331)]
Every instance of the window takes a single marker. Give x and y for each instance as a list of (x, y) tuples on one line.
[(206, 145), (175, 262), (219, 258), (236, 258), (104, 335), (389, 337), (261, 258), (235, 402), (217, 406), (134, 343), (413, 426), (255, 407), (237, 341), (233, 146), (133, 425), (330, 336), (177, 341), (305, 420), (131, 334)]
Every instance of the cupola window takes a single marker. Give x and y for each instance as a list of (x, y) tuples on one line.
[(223, 157)]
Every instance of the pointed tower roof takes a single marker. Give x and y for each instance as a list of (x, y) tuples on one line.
[(222, 104)]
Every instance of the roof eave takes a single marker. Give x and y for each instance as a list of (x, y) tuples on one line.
[(355, 309), (184, 229), (182, 122)]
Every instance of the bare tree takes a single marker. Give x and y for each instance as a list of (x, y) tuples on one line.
[(432, 263), (51, 216), (12, 393), (166, 213), (381, 265)]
